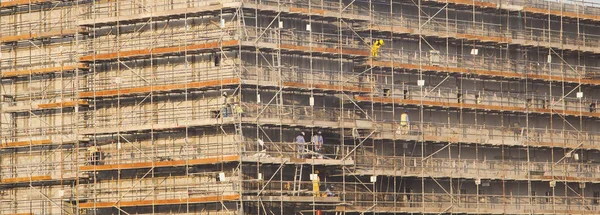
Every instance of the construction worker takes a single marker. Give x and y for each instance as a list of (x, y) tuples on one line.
[(317, 140), (300, 144), (404, 123), (316, 181), (376, 45), (517, 130), (224, 105), (237, 110), (94, 154), (329, 191)]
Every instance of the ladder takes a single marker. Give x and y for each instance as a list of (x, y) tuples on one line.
[(298, 179), (237, 125), (238, 128)]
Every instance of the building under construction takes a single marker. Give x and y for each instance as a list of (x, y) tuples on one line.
[(276, 107)]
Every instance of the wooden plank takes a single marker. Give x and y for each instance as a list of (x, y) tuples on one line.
[(401, 30), (327, 87), (159, 88), (505, 74), (15, 3), (470, 3), (536, 10), (158, 51), (358, 52), (22, 214), (159, 15), (25, 179), (307, 11), (25, 143), (484, 38), (142, 165), (62, 104), (483, 107), (48, 34), (561, 13), (21, 73), (204, 199)]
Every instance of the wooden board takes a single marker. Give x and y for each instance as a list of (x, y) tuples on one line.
[(159, 88), (307, 11), (327, 87), (205, 199), (158, 51), (159, 15), (21, 73), (62, 104), (401, 30), (471, 3), (25, 179), (561, 13), (142, 165), (482, 107), (15, 3), (42, 35), (492, 73), (357, 52), (25, 143)]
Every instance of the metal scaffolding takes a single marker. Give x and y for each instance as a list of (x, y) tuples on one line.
[(291, 107)]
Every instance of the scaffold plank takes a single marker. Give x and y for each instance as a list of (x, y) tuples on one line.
[(15, 3), (142, 165), (54, 105), (309, 161), (62, 104), (21, 73), (356, 52), (312, 11), (292, 199), (471, 3), (159, 88), (195, 200), (304, 11), (42, 35), (402, 30), (561, 13), (543, 11), (505, 74), (326, 87), (25, 143), (500, 175), (483, 38), (457, 105), (158, 15), (158, 51), (25, 179)]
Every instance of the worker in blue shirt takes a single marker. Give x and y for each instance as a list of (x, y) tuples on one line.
[(301, 144)]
